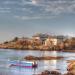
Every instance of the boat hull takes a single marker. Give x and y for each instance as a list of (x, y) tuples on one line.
[(23, 64), (15, 65)]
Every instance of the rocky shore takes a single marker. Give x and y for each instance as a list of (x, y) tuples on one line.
[(16, 46), (68, 50), (29, 57), (46, 72), (45, 43)]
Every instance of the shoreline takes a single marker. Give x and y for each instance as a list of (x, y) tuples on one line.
[(46, 72), (69, 50), (60, 50)]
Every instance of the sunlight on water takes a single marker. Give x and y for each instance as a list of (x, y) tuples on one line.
[(54, 53), (48, 53), (21, 71), (42, 65), (50, 64)]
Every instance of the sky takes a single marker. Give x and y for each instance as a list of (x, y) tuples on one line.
[(27, 17)]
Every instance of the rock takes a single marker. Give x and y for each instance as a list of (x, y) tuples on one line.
[(31, 58), (46, 72), (55, 73), (41, 58), (71, 66)]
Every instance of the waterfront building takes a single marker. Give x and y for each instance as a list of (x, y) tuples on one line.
[(51, 41), (41, 37)]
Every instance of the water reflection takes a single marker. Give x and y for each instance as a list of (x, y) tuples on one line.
[(60, 65), (21, 71), (50, 65), (48, 53)]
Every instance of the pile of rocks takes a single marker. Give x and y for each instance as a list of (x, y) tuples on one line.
[(46, 72), (30, 57)]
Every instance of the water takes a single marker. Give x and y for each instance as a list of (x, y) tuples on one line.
[(7, 54)]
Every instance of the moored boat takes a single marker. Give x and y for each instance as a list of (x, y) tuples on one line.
[(23, 64)]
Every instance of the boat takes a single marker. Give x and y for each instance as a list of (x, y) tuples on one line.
[(23, 64)]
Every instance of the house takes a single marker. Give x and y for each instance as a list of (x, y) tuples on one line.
[(51, 41), (41, 37)]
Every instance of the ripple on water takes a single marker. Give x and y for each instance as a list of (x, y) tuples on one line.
[(42, 65)]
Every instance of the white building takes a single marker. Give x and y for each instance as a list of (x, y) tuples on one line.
[(51, 42)]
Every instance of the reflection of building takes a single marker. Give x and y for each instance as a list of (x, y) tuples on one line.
[(46, 53), (50, 64), (54, 53)]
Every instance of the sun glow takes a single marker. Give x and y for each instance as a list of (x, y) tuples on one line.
[(34, 1)]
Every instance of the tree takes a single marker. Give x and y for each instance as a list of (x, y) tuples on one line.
[(15, 39), (6, 42)]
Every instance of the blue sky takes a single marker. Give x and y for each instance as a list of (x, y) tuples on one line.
[(27, 17)]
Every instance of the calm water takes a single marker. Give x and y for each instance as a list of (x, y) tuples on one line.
[(7, 54)]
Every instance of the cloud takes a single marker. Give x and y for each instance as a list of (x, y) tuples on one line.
[(5, 10), (33, 17), (1, 8), (57, 6), (52, 7), (10, 2), (38, 7)]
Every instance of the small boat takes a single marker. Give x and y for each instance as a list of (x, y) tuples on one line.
[(23, 64)]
